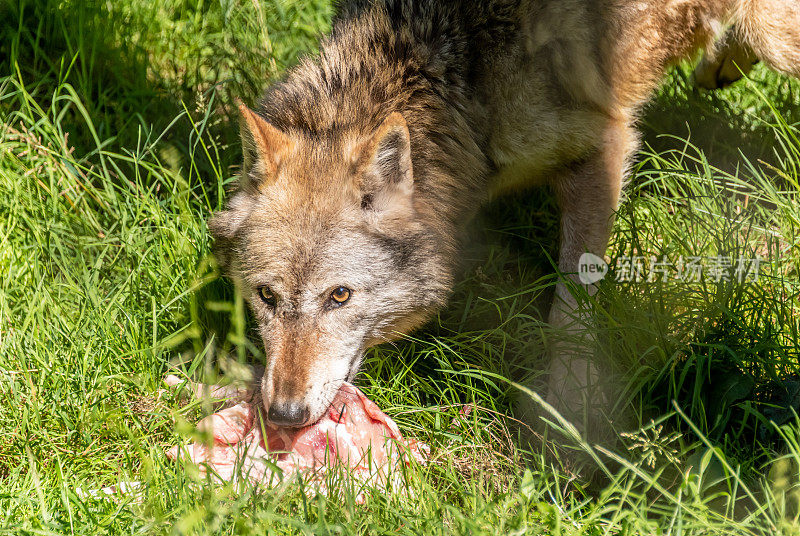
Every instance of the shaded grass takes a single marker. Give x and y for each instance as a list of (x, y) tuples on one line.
[(106, 179)]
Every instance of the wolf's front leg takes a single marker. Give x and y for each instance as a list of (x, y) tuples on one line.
[(588, 195)]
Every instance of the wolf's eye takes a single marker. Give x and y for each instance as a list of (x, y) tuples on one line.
[(267, 296), (340, 296)]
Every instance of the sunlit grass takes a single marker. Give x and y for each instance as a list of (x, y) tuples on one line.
[(115, 146)]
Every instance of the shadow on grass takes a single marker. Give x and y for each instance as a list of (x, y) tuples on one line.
[(725, 124)]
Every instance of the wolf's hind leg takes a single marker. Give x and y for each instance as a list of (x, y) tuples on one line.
[(771, 28), (767, 30)]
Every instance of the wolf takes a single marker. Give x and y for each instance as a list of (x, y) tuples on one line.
[(363, 164)]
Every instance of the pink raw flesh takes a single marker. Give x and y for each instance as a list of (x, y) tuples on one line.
[(354, 432)]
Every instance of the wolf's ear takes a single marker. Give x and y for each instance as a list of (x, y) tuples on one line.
[(263, 146), (384, 165)]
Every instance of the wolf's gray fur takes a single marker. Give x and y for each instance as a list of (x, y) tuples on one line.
[(362, 166)]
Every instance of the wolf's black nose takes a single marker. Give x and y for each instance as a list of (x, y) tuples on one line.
[(288, 413)]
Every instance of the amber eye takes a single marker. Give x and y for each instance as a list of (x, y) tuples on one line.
[(340, 295), (267, 296)]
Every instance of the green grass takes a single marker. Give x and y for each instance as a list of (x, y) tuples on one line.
[(117, 140)]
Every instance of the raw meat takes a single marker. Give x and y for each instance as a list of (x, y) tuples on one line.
[(354, 434)]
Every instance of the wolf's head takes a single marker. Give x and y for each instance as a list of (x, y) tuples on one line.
[(324, 238)]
